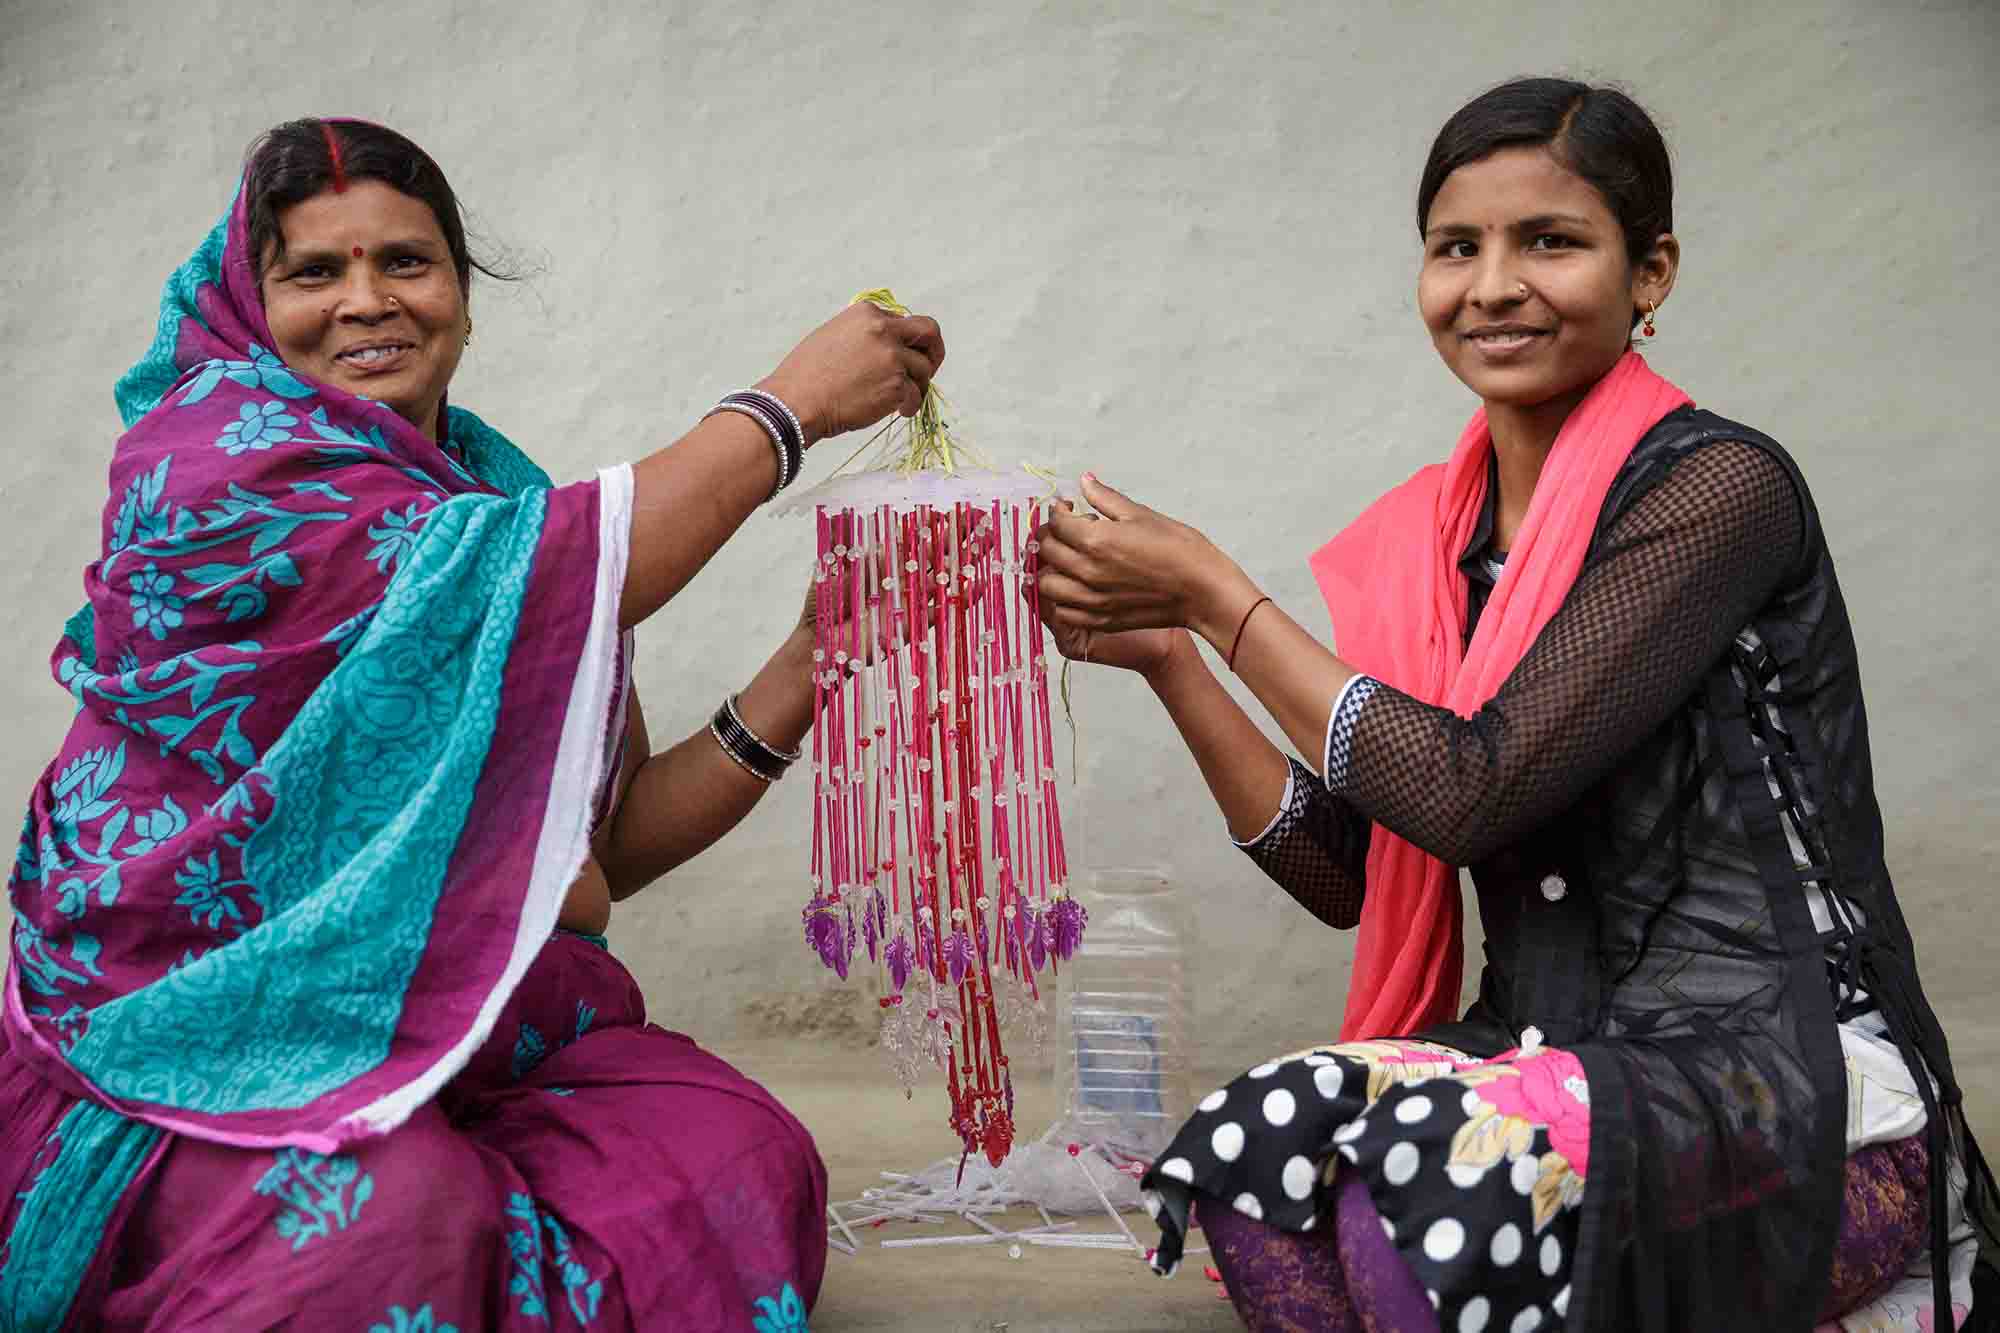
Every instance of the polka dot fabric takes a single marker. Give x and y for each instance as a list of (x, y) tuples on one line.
[(1476, 1166)]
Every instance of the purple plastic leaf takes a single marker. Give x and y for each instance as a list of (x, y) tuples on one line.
[(958, 954), (824, 934), (1068, 918), (1038, 937), (900, 956)]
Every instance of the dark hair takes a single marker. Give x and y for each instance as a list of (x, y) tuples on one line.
[(292, 162), (1598, 132)]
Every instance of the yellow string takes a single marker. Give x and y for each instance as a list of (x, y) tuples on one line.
[(1054, 483), (925, 443)]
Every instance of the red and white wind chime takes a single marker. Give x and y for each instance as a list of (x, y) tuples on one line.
[(937, 839)]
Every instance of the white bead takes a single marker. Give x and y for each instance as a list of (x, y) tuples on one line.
[(1554, 888)]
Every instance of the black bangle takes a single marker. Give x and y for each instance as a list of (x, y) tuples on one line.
[(776, 434), (788, 420), (752, 752), (789, 438)]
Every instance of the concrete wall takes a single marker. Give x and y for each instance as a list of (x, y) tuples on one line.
[(1173, 242)]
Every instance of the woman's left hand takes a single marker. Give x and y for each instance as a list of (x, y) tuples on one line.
[(845, 605), (1130, 567)]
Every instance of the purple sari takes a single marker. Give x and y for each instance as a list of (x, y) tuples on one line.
[(287, 1032)]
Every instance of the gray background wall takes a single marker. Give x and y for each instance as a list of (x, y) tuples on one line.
[(1172, 242)]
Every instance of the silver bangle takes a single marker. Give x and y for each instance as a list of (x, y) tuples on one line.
[(772, 429), (798, 431)]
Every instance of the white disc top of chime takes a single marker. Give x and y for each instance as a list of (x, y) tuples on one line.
[(910, 490)]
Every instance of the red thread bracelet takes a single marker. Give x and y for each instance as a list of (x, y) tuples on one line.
[(1241, 625)]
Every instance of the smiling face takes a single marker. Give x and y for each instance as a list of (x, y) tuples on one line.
[(365, 298), (1526, 285)]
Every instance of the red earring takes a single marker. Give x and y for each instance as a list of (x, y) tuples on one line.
[(1652, 308)]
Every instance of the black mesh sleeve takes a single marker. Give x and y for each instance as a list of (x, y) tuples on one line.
[(1679, 573), (1316, 850)]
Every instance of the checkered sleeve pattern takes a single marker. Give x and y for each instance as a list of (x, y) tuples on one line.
[(1316, 850), (1663, 594)]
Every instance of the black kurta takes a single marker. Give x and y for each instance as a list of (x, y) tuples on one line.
[(1684, 749)]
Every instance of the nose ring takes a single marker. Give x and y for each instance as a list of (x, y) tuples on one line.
[(1521, 290)]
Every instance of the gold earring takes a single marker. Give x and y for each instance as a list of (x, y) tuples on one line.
[(468, 330), (1652, 308)]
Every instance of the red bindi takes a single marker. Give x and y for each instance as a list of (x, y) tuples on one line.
[(357, 252)]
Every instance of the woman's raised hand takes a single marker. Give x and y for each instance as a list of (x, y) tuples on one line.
[(857, 368), (1132, 569)]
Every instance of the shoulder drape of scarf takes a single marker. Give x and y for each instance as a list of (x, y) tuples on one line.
[(1398, 600)]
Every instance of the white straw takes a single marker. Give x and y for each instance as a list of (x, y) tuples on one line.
[(1105, 1199), (841, 1222)]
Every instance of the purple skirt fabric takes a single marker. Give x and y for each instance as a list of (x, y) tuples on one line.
[(1350, 1277), (586, 1170)]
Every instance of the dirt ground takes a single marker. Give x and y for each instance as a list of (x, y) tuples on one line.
[(856, 1110)]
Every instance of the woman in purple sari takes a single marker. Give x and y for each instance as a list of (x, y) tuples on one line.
[(309, 1021)]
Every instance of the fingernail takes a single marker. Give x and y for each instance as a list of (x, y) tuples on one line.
[(1091, 477)]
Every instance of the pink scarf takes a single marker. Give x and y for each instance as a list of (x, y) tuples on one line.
[(1392, 583)]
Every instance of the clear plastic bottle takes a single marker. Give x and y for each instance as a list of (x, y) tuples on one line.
[(1122, 1057)]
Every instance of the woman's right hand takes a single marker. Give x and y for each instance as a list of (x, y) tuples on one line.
[(856, 368)]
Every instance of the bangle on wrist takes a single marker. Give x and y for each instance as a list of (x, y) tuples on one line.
[(780, 424), (752, 753), (1241, 625), (779, 408)]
